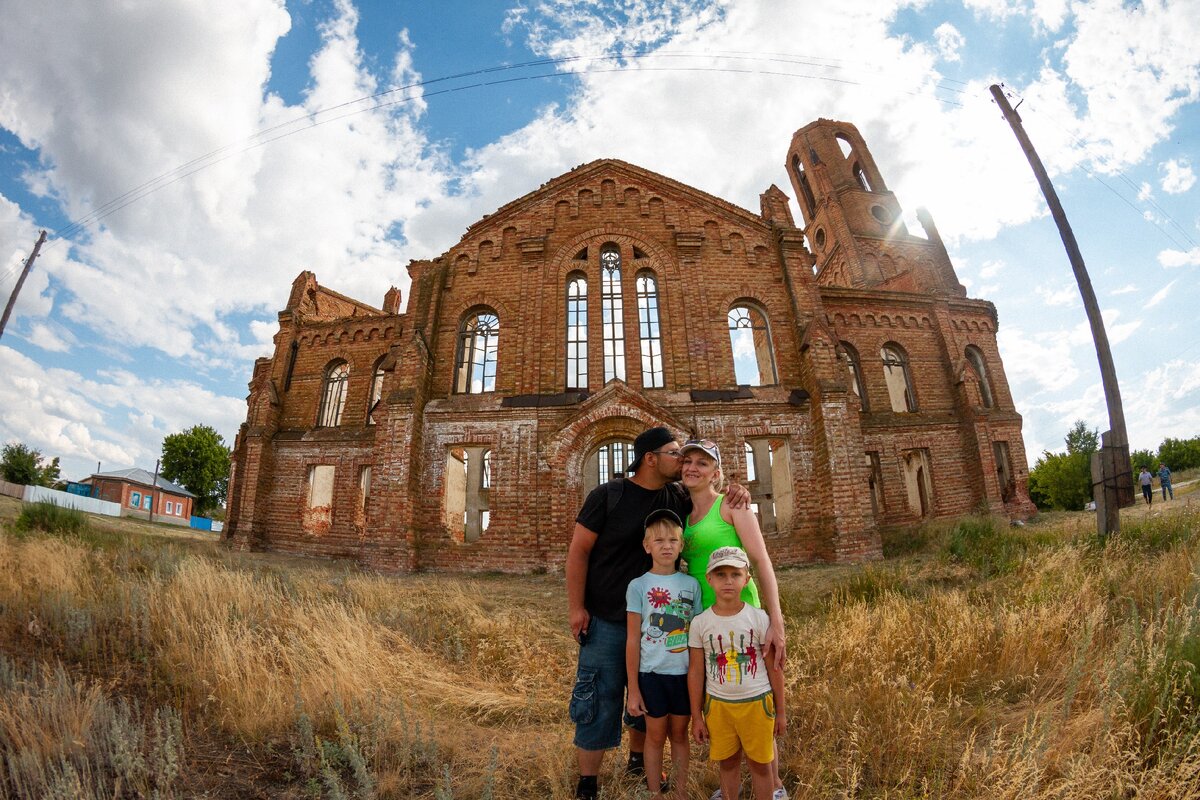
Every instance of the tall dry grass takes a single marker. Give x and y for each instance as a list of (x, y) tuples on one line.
[(991, 662)]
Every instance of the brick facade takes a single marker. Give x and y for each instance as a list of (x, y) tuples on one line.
[(833, 461)]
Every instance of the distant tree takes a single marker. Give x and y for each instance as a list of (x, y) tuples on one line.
[(198, 460), (1081, 440), (1064, 480), (1142, 458), (1180, 454), (26, 466)]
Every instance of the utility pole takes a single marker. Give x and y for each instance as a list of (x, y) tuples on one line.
[(1112, 477), (154, 489), (12, 299)]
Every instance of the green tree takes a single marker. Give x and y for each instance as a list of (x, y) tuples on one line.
[(1142, 458), (198, 460), (26, 466), (1180, 454), (1064, 480)]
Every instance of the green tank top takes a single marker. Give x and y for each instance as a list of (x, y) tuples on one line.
[(699, 542)]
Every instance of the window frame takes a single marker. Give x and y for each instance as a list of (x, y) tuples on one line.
[(335, 386), (612, 312), (478, 348), (901, 362), (650, 330), (760, 360), (577, 330)]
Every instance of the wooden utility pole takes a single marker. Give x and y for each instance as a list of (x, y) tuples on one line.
[(12, 299), (154, 489), (1112, 477)]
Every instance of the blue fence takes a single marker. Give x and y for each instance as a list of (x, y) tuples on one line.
[(202, 523)]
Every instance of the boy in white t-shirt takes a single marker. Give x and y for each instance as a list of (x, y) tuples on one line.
[(660, 605), (736, 691)]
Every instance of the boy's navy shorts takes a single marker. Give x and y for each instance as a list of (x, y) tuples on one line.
[(664, 694)]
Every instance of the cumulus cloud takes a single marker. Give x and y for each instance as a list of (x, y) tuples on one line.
[(949, 42), (1065, 296), (1177, 176), (1179, 258)]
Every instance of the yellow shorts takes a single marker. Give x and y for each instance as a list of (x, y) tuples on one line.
[(748, 725)]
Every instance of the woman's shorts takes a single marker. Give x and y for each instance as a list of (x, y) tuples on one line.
[(745, 724), (664, 694)]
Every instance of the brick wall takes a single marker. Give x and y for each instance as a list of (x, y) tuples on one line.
[(705, 255)]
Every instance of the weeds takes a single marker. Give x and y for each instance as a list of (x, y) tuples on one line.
[(991, 547), (50, 518)]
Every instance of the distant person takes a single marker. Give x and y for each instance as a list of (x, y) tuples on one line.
[(734, 679), (1144, 478), (659, 607), (1164, 481)]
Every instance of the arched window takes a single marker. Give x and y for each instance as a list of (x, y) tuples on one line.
[(478, 344), (844, 143), (854, 364), (806, 190), (897, 377), (333, 394), (975, 359), (376, 388), (648, 330), (750, 339), (608, 461), (612, 313), (577, 366)]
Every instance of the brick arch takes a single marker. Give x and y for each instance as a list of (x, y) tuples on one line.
[(477, 300), (563, 261)]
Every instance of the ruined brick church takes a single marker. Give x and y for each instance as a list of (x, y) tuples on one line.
[(850, 382)]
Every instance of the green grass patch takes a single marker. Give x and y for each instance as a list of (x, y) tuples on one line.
[(50, 518), (991, 546)]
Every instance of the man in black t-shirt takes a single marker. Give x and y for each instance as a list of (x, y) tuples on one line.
[(606, 553)]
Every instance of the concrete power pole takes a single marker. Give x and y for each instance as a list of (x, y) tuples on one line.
[(1112, 477), (12, 299)]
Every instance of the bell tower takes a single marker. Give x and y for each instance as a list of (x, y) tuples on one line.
[(854, 223)]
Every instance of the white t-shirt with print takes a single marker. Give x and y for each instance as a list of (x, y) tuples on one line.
[(734, 664)]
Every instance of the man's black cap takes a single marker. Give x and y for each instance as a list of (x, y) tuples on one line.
[(648, 441)]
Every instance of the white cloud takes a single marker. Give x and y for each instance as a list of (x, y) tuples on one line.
[(1116, 332), (54, 338), (1129, 288), (1160, 295), (1145, 192), (949, 42), (1178, 258), (994, 9), (1065, 296), (991, 269), (1043, 364), (1177, 176)]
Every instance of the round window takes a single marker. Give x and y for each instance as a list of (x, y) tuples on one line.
[(819, 239), (882, 214)]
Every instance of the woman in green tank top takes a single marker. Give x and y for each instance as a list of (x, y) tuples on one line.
[(712, 524)]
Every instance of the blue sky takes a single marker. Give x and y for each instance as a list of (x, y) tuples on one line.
[(147, 320)]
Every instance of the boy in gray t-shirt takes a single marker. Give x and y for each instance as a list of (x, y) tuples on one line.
[(660, 606)]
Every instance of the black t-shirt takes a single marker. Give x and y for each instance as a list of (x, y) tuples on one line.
[(618, 556)]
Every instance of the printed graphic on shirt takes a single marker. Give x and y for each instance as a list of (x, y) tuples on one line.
[(732, 662), (667, 623)]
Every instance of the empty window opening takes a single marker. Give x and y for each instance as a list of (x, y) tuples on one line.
[(898, 379), (769, 480), (1004, 474), (810, 203), (478, 346), (854, 365), (467, 488), (376, 389), (612, 313), (917, 481), (860, 176), (364, 491), (649, 332), (577, 312), (844, 143), (750, 340), (875, 482), (609, 460), (333, 395), (318, 511), (975, 359)]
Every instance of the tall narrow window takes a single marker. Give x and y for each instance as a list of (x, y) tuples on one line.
[(975, 358), (577, 366), (333, 395), (805, 189), (854, 365), (1003, 470), (612, 313), (648, 330), (478, 343), (750, 339), (897, 377), (918, 483), (608, 461), (376, 389), (875, 482), (860, 176)]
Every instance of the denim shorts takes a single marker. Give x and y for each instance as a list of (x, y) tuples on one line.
[(598, 699)]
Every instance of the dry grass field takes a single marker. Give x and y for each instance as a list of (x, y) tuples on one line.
[(977, 661)]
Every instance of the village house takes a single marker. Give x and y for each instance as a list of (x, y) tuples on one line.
[(143, 495), (851, 383)]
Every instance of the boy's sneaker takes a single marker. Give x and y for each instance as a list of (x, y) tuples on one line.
[(636, 766), (587, 788)]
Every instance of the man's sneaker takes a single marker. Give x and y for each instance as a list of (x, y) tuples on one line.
[(587, 788), (780, 794), (636, 766), (717, 795)]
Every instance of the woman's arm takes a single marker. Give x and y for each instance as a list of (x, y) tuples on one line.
[(745, 523)]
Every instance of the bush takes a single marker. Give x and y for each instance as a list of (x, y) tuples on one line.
[(1061, 480), (51, 518)]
